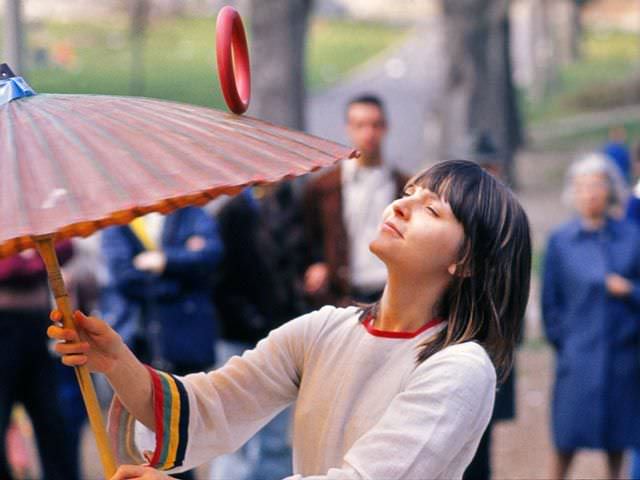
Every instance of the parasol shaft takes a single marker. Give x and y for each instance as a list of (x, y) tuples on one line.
[(45, 246)]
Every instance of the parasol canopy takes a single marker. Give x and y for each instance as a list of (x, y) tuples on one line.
[(72, 164)]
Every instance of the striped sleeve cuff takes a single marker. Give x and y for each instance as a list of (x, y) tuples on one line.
[(171, 413)]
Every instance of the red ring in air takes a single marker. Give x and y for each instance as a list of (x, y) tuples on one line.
[(232, 55)]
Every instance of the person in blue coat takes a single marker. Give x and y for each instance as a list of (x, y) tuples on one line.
[(158, 293), (591, 312)]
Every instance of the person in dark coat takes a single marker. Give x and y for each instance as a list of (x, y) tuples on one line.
[(617, 150), (260, 288), (29, 373), (591, 311), (159, 288)]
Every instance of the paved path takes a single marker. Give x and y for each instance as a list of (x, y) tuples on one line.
[(406, 78)]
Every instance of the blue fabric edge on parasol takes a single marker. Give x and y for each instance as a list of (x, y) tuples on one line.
[(14, 88)]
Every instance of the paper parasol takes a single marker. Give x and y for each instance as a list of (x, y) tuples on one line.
[(73, 164)]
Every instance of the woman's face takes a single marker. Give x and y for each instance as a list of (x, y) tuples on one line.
[(591, 195), (419, 236)]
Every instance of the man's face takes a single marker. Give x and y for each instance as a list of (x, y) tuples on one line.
[(366, 127)]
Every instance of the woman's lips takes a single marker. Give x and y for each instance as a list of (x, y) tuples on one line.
[(392, 227)]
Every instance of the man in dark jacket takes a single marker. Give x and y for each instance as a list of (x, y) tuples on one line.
[(259, 289), (343, 211)]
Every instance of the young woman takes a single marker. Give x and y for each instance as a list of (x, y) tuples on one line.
[(402, 389)]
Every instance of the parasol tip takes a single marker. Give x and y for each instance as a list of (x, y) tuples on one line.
[(6, 72)]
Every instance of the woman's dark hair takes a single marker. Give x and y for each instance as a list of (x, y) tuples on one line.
[(486, 301)]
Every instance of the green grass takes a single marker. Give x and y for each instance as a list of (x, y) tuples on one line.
[(607, 57), (590, 138), (180, 56), (335, 47)]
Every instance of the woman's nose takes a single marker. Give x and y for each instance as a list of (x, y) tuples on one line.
[(401, 208)]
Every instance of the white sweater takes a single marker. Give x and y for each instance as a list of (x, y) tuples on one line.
[(364, 408)]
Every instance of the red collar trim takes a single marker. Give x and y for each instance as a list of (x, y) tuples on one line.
[(366, 323)]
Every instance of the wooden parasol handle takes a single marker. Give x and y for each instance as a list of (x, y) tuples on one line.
[(45, 246)]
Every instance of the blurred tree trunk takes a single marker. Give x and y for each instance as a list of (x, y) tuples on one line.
[(13, 36), (576, 32), (278, 40), (479, 92), (568, 30), (545, 66), (139, 11)]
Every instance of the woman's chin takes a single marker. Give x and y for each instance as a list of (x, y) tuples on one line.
[(380, 248)]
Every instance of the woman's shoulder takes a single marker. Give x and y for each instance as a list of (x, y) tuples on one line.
[(465, 365), (326, 318), (470, 353), (330, 313)]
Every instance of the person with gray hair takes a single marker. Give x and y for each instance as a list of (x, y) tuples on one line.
[(591, 306), (598, 164)]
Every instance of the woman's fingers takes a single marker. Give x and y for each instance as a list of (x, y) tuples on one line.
[(56, 316), (128, 472), (71, 348), (74, 360), (92, 325), (62, 334)]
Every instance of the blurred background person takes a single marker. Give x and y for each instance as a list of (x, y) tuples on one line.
[(342, 210), (158, 292), (633, 215), (29, 373), (591, 306), (617, 150), (258, 290), (633, 206), (484, 152)]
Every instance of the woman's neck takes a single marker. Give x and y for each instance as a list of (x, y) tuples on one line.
[(594, 223), (369, 162), (408, 305)]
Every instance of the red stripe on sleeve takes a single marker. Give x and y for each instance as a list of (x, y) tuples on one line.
[(158, 404)]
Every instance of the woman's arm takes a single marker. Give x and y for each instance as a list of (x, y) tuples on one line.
[(552, 301), (204, 415)]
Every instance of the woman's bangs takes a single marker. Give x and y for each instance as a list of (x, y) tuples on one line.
[(453, 182)]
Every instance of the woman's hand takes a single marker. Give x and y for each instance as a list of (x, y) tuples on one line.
[(316, 278), (152, 262), (618, 286), (138, 472), (93, 343)]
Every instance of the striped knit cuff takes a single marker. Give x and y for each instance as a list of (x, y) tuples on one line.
[(171, 413)]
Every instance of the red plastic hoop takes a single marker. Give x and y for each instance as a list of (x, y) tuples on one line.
[(232, 56)]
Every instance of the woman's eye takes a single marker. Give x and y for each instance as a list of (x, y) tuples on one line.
[(432, 210)]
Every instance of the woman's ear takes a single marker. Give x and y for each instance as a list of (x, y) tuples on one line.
[(458, 270)]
